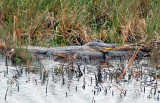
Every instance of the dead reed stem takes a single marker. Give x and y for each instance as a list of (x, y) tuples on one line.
[(46, 86), (119, 89), (156, 81), (28, 68), (7, 63), (130, 62), (62, 14), (6, 94), (19, 35), (14, 31)]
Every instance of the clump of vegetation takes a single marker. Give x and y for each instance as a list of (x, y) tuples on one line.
[(21, 56), (75, 22)]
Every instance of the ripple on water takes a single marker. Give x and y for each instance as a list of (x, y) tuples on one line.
[(32, 90)]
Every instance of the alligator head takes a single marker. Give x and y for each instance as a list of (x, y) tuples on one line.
[(99, 46)]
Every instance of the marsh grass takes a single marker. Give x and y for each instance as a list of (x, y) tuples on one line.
[(75, 22)]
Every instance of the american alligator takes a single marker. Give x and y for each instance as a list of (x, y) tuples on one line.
[(94, 49)]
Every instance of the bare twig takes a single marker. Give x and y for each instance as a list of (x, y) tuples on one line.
[(14, 31), (6, 94), (130, 62), (122, 91)]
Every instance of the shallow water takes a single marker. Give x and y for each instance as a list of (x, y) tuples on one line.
[(28, 87)]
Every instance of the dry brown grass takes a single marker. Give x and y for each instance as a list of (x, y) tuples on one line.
[(133, 30), (67, 22)]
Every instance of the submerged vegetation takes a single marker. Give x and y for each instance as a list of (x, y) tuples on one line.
[(75, 22)]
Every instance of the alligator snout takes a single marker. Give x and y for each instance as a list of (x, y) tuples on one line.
[(99, 46)]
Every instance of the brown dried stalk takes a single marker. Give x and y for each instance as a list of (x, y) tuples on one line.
[(130, 62), (6, 94), (122, 91), (14, 31), (62, 13)]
